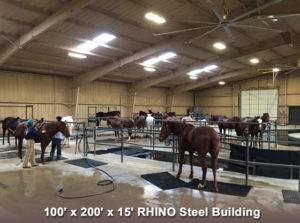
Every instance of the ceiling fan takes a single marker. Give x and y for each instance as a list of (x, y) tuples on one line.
[(280, 68), (226, 24)]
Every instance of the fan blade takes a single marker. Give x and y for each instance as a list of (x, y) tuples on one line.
[(204, 34), (256, 27), (270, 17), (215, 10), (229, 33), (255, 10), (182, 30), (193, 21)]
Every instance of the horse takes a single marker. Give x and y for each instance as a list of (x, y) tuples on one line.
[(249, 126), (10, 124), (187, 119), (139, 122), (228, 123), (202, 140), (216, 118), (103, 115), (265, 118), (121, 123), (70, 124), (142, 113), (51, 129)]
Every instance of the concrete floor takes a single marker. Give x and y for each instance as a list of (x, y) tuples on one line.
[(25, 193)]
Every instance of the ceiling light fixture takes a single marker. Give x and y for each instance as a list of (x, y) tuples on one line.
[(149, 69), (222, 83), (219, 46), (200, 70), (254, 60), (193, 77), (210, 67), (87, 46), (104, 38), (167, 55), (275, 69), (195, 72), (77, 55), (155, 18), (151, 61)]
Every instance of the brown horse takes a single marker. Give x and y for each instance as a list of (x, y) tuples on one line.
[(10, 124), (121, 123), (139, 122), (228, 123), (51, 129), (201, 139), (216, 118)]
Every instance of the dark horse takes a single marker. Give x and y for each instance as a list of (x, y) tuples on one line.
[(201, 139), (139, 122), (228, 123), (51, 129), (10, 124), (103, 115), (121, 123)]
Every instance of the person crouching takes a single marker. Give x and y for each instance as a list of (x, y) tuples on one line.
[(31, 136), (56, 142)]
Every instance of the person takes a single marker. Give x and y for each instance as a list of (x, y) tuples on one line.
[(31, 136), (56, 142)]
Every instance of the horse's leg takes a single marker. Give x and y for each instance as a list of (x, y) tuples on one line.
[(129, 135), (43, 147), (8, 135), (3, 136), (20, 145), (181, 159), (192, 164), (116, 136), (214, 161), (204, 169)]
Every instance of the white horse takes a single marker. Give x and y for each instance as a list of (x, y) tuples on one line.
[(69, 120), (188, 119)]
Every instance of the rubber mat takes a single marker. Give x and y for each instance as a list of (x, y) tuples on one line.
[(105, 151), (166, 181), (83, 163), (38, 160), (291, 196)]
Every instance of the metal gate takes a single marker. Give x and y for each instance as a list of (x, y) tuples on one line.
[(294, 115)]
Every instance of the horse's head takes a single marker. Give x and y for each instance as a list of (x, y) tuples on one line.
[(266, 117), (165, 131), (64, 129)]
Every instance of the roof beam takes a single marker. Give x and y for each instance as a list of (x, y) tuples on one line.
[(99, 72), (55, 18), (204, 82)]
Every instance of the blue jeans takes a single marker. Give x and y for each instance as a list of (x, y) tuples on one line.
[(56, 143)]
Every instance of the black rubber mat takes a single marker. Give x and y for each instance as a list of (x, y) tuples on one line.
[(38, 160), (15, 154), (106, 140), (291, 196), (83, 163), (166, 181), (133, 151), (105, 151), (223, 188)]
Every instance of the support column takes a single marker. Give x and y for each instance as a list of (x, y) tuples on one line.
[(169, 102), (76, 103)]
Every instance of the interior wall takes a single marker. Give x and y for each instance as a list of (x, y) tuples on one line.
[(54, 95), (224, 100)]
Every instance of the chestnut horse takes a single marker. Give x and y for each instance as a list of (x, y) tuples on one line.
[(201, 139), (121, 123), (51, 129), (139, 122)]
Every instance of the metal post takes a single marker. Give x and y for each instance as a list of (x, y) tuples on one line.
[(275, 134), (153, 142), (122, 145), (174, 155), (120, 105), (269, 134), (247, 161), (262, 136), (95, 135), (299, 179)]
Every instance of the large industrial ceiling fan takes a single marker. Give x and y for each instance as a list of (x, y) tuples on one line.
[(280, 68), (226, 24)]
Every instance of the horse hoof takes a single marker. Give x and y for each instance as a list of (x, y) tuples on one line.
[(200, 186), (177, 176), (215, 189)]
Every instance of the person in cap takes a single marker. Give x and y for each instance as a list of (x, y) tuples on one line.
[(56, 143), (31, 136)]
